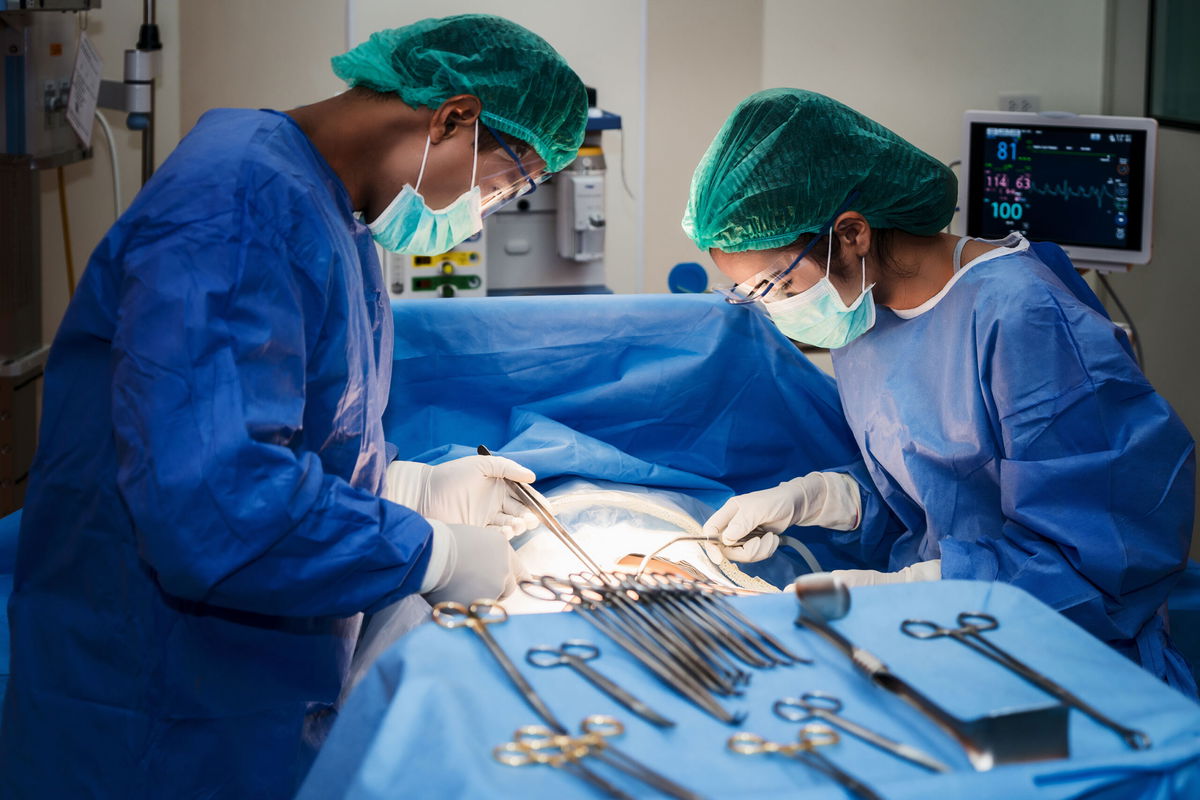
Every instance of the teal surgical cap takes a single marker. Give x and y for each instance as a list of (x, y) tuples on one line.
[(786, 159), (527, 89)]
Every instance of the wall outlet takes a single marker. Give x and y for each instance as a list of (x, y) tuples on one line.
[(1020, 101)]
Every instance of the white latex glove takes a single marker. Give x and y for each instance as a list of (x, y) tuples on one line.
[(748, 526), (921, 571), (469, 563), (466, 491)]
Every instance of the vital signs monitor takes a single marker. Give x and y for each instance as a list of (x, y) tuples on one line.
[(1085, 183)]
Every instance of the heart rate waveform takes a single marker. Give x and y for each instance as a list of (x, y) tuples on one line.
[(1001, 189), (1066, 191)]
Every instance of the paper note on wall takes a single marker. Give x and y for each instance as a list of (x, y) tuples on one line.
[(85, 89)]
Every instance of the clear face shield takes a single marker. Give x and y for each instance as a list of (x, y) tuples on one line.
[(773, 283), (777, 281), (505, 176)]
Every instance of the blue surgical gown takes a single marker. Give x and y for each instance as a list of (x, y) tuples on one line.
[(202, 524), (1012, 434)]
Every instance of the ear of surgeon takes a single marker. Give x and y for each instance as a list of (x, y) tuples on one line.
[(749, 268), (464, 171)]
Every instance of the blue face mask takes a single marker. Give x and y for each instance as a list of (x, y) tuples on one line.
[(817, 316), (408, 225)]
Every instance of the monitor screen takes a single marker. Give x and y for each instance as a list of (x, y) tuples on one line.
[(1068, 184)]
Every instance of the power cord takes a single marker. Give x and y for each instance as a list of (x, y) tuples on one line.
[(624, 182), (66, 232), (1137, 339), (112, 160)]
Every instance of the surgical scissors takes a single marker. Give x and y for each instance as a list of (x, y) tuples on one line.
[(482, 613), (809, 738), (970, 627), (477, 617), (826, 707), (596, 730), (575, 653), (537, 744)]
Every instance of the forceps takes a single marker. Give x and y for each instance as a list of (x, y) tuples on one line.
[(826, 707), (635, 642), (971, 625), (546, 517), (804, 750), (575, 653)]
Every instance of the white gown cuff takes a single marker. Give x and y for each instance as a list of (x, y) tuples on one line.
[(443, 555), (921, 571)]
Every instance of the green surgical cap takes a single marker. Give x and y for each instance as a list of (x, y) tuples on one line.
[(787, 159), (527, 89)]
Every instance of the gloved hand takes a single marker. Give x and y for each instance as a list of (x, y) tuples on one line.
[(466, 491), (469, 563), (748, 526)]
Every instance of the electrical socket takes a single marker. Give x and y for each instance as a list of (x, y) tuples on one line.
[(1020, 101)]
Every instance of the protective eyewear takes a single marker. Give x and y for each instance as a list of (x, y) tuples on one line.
[(771, 283), (520, 178)]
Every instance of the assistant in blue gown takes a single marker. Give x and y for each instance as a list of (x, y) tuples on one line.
[(202, 524), (1012, 433)]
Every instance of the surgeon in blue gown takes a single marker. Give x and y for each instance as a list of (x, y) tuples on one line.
[(204, 522), (1006, 431)]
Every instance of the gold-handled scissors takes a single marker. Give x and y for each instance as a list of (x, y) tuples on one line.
[(537, 744), (804, 750), (827, 708), (477, 617)]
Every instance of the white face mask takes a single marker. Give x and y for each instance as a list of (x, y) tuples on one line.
[(408, 225), (818, 316)]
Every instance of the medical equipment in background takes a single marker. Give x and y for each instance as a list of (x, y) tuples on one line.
[(1084, 182), (462, 272), (552, 241), (39, 40), (38, 49), (1006, 737), (548, 242)]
